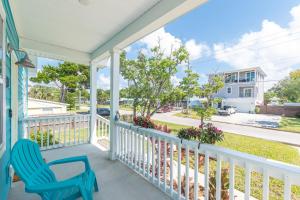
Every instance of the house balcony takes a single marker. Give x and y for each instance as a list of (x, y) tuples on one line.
[(152, 164)]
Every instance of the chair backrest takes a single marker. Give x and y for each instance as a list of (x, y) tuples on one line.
[(29, 164)]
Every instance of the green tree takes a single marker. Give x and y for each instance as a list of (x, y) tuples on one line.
[(149, 78), (295, 74), (268, 96), (44, 92), (189, 85), (102, 96), (207, 91), (288, 89), (67, 76)]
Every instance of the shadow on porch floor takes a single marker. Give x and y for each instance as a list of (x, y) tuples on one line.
[(115, 180)]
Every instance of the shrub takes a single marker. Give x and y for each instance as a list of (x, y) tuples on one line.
[(189, 133), (210, 134), (144, 122), (206, 133), (257, 110), (45, 135)]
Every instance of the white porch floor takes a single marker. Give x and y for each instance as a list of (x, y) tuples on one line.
[(115, 180)]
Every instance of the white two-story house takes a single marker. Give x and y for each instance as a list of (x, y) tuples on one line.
[(243, 88)]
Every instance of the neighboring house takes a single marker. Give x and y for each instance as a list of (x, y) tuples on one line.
[(43, 107), (244, 88)]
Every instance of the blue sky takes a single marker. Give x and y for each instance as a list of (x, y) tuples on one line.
[(231, 34)]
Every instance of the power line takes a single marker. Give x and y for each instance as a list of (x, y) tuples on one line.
[(266, 36), (257, 49)]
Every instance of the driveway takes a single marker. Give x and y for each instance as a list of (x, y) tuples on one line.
[(268, 134), (258, 120)]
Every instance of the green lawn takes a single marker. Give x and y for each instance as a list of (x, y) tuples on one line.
[(122, 107), (258, 147), (192, 114), (290, 124)]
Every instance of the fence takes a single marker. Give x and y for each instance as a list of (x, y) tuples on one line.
[(58, 131), (190, 170)]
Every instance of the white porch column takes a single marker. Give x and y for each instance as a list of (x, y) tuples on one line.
[(93, 102), (114, 99)]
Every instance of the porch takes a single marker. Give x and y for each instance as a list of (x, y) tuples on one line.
[(130, 162), (154, 164), (116, 181)]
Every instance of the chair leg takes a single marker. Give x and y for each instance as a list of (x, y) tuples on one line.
[(96, 185)]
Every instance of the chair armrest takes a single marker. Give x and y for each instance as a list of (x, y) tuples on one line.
[(72, 159), (52, 186)]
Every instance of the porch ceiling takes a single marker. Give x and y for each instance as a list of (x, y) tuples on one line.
[(72, 31)]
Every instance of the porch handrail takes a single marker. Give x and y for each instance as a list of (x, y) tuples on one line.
[(103, 127), (59, 130), (53, 117), (131, 151)]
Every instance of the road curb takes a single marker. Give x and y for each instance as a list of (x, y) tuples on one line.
[(252, 126)]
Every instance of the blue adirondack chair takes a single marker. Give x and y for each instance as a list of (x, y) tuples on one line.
[(39, 178)]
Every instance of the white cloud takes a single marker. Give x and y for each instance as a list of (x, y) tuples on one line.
[(273, 48), (169, 42), (103, 82), (175, 80), (197, 50)]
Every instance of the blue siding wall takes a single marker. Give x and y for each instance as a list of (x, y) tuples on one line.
[(12, 37)]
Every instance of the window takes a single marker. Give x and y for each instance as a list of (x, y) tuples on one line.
[(229, 90), (247, 92), (250, 76)]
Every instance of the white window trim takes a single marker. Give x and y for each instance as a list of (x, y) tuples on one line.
[(2, 78), (245, 92), (230, 90)]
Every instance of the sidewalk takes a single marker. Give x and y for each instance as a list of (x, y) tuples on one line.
[(268, 134)]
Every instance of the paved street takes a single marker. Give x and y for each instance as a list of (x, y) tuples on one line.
[(269, 134)]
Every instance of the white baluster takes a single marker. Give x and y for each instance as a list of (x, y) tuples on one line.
[(65, 135), (206, 174), (231, 179), (265, 184), (153, 159), (158, 163), (48, 134), (196, 184), (247, 182), (35, 130), (287, 188), (165, 165), (139, 152), (148, 156), (187, 168), (171, 167), (143, 153), (218, 178), (179, 171)]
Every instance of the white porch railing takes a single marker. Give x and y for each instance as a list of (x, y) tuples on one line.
[(58, 131), (157, 156), (103, 132), (103, 125)]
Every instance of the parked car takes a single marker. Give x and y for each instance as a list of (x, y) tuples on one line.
[(165, 109), (231, 109), (104, 112), (227, 110)]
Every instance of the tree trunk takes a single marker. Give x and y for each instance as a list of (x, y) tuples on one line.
[(62, 94), (149, 109), (134, 107)]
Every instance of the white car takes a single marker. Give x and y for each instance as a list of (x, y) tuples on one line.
[(227, 110)]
